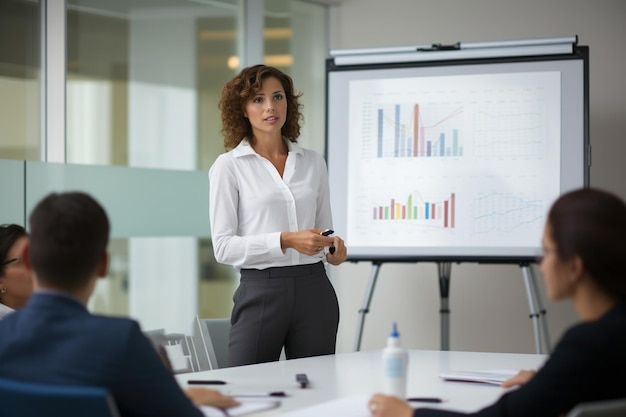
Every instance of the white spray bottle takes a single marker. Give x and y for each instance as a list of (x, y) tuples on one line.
[(395, 364)]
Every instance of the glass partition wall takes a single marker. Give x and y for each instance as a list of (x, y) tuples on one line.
[(141, 90), (19, 79)]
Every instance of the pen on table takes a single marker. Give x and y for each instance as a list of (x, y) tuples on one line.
[(425, 399), (206, 382), (259, 394)]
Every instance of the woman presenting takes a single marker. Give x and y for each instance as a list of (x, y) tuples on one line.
[(269, 207)]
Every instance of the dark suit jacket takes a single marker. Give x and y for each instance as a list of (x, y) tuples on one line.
[(588, 364), (54, 339)]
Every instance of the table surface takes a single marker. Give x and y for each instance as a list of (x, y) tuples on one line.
[(360, 373)]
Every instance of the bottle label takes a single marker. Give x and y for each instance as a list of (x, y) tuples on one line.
[(394, 368)]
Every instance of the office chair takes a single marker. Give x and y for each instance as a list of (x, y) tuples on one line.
[(608, 408), (19, 399), (177, 348), (210, 339)]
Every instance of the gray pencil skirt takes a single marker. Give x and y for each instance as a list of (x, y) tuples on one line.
[(293, 306)]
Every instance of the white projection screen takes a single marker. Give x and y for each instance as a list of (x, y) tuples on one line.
[(454, 160)]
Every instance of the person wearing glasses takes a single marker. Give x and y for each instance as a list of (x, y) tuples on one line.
[(269, 209), (583, 253), (16, 283), (54, 339)]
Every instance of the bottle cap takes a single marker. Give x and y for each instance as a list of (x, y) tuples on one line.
[(394, 331)]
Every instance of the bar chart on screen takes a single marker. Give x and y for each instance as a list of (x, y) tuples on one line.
[(413, 130), (415, 208)]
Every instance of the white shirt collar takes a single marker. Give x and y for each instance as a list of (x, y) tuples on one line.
[(244, 148), (5, 310)]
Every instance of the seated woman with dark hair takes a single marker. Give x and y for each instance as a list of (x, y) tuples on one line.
[(583, 254), (16, 283)]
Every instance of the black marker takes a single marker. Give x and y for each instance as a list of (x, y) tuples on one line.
[(425, 399), (206, 382), (441, 47), (268, 394), (329, 232)]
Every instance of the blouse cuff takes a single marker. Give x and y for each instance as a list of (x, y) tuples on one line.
[(273, 243)]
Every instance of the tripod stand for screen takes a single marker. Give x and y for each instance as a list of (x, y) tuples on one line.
[(535, 304)]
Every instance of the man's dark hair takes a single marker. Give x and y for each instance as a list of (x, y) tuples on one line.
[(69, 232), (9, 234)]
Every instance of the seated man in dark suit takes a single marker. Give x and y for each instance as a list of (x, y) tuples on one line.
[(54, 339)]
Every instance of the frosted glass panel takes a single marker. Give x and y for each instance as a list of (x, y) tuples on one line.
[(161, 212), (140, 202), (11, 192), (20, 70), (296, 44), (144, 77)]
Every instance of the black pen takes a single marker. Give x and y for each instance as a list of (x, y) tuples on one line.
[(206, 382), (425, 399), (260, 394)]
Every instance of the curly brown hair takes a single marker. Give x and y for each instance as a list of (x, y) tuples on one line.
[(236, 92)]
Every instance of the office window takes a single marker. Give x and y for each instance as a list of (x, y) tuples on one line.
[(144, 78), (218, 54), (142, 84), (139, 290), (295, 39), (163, 282), (96, 84), (138, 74), (19, 79), (141, 79)]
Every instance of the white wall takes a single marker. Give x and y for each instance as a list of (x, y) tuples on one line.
[(488, 302)]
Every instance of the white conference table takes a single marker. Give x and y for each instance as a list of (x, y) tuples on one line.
[(343, 375)]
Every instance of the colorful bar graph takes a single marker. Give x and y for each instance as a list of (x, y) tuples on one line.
[(401, 133), (443, 212)]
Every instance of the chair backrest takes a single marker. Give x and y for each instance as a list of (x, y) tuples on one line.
[(19, 399), (210, 337), (180, 353), (608, 408), (210, 340)]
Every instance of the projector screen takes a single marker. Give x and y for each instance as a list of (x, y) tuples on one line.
[(456, 160)]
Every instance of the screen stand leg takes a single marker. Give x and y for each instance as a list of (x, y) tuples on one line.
[(537, 309), (365, 306), (444, 269), (541, 308)]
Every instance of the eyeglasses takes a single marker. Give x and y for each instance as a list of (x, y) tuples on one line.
[(544, 252), (12, 261)]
